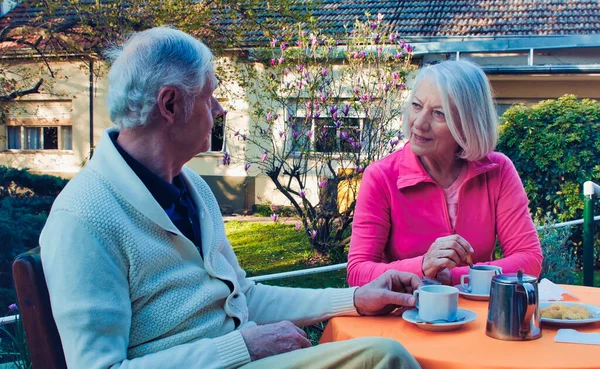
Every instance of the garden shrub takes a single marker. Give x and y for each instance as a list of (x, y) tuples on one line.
[(555, 146), (25, 201), (559, 259)]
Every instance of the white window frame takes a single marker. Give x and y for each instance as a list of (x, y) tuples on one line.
[(40, 124), (301, 114)]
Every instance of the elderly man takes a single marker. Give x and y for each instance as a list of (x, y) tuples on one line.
[(139, 270)]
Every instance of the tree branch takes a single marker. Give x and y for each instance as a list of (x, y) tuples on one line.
[(15, 94)]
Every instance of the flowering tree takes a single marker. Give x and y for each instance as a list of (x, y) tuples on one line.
[(324, 110)]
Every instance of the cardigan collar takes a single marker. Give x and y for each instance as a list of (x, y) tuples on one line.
[(412, 172), (108, 162)]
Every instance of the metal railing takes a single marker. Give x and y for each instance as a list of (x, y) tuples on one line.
[(591, 192), (331, 268)]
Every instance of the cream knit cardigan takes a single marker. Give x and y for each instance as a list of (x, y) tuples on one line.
[(128, 290)]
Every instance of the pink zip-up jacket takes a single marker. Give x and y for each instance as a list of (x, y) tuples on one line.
[(401, 211)]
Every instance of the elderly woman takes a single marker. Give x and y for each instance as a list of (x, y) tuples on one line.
[(445, 195)]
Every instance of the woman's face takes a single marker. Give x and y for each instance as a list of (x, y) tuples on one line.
[(430, 136)]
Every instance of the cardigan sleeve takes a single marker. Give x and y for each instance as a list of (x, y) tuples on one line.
[(514, 227), (370, 233), (301, 306), (89, 292)]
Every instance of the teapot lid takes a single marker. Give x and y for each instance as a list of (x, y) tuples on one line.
[(514, 278)]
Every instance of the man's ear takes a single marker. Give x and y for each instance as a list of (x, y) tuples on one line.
[(168, 101)]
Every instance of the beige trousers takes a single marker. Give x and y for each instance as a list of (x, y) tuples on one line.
[(359, 353)]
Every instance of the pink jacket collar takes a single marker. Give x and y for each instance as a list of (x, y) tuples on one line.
[(412, 171)]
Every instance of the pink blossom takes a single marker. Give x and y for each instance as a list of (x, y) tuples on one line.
[(395, 75), (373, 25), (409, 48), (334, 115), (333, 109), (317, 115), (303, 33), (243, 136), (299, 85), (264, 156), (298, 226), (379, 17), (376, 38), (323, 184), (309, 134), (300, 67), (226, 160), (281, 133), (323, 99), (394, 142), (281, 60), (295, 134), (308, 105), (268, 116), (356, 91), (286, 71), (337, 123), (346, 110), (302, 194), (13, 307), (273, 62), (283, 46), (237, 133), (398, 55), (300, 43), (274, 42), (274, 217), (246, 166), (393, 37), (324, 72), (313, 234)]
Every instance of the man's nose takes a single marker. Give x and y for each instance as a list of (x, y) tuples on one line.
[(218, 110)]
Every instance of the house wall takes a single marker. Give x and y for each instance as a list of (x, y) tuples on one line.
[(234, 186)]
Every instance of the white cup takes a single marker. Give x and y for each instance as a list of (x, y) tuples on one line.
[(437, 302), (480, 279)]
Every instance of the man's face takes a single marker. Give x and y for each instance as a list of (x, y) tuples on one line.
[(198, 127)]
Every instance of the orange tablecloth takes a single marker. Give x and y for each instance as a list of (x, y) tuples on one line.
[(469, 346)]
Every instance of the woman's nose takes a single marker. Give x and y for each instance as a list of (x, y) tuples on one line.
[(421, 121)]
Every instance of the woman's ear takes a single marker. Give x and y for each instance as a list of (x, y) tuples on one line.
[(167, 101)]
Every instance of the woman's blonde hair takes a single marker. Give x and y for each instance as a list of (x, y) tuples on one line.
[(465, 93)]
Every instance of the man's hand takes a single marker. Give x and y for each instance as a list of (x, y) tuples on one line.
[(445, 252), (391, 290), (273, 339)]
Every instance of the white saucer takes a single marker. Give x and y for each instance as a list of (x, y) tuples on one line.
[(594, 310), (471, 296), (412, 315)]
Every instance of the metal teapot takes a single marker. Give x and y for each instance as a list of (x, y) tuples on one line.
[(514, 312)]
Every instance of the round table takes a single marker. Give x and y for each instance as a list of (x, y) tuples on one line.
[(469, 346)]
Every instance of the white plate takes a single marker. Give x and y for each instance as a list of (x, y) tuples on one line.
[(594, 310), (412, 316), (471, 296)]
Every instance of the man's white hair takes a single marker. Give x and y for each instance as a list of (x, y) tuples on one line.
[(149, 61), (467, 102)]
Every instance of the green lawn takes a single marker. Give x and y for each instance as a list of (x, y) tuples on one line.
[(266, 248)]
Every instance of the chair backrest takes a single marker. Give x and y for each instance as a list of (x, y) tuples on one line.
[(43, 341)]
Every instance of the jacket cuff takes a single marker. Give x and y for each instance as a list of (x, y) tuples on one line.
[(232, 350), (457, 272), (342, 301)]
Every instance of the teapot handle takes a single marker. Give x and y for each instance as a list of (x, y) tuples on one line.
[(529, 306)]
